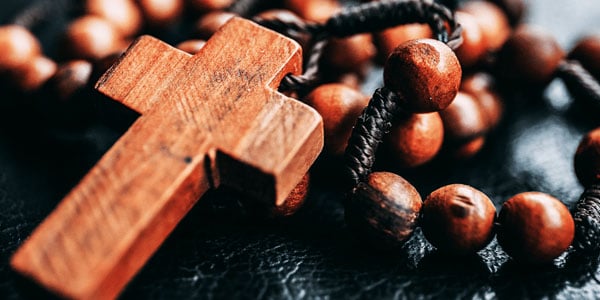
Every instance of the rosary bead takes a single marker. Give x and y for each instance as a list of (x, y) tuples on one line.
[(535, 227), (210, 5), (458, 219), (123, 14), (463, 118), (18, 47), (313, 10), (160, 13), (70, 78), (426, 73), (513, 9), (492, 21), (340, 106), (209, 23), (389, 39), (91, 37), (350, 54), (473, 47), (294, 201), (531, 55), (480, 86), (416, 138), (191, 46), (384, 209), (34, 74), (587, 158), (468, 149), (587, 52)]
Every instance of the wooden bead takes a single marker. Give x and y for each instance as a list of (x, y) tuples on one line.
[(210, 5), (458, 219), (34, 74), (473, 48), (513, 9), (492, 21), (425, 72), (294, 201), (468, 149), (389, 39), (313, 10), (91, 37), (191, 46), (587, 52), (587, 158), (208, 24), (70, 78), (481, 87), (535, 227), (160, 13), (463, 118), (384, 209), (18, 47), (123, 14), (349, 54), (530, 55), (416, 139), (340, 106)]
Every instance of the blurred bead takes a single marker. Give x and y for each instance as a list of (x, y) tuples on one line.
[(160, 13), (349, 54), (587, 158), (123, 14), (34, 74), (492, 21), (70, 78), (463, 118), (480, 86), (468, 149), (473, 47), (384, 210), (535, 228), (415, 139), (209, 23), (425, 72), (91, 37), (587, 52), (280, 14), (314, 10), (513, 9), (389, 39), (191, 46), (293, 202), (458, 219), (210, 5), (340, 106), (17, 47), (530, 55), (351, 79)]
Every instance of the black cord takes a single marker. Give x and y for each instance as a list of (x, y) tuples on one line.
[(580, 82), (587, 220)]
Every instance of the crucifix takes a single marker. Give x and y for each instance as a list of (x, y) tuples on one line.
[(209, 119)]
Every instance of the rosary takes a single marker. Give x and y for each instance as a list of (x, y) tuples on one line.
[(224, 110)]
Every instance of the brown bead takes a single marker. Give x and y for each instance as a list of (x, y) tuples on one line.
[(416, 139), (481, 87), (160, 13), (587, 52), (191, 46), (340, 106), (209, 23), (34, 74), (210, 5), (587, 158), (349, 54), (313, 10), (458, 219), (513, 9), (425, 72), (123, 14), (463, 118), (91, 37), (492, 21), (70, 78), (294, 201), (18, 47), (531, 55), (473, 48), (389, 39), (535, 227), (384, 209), (467, 149)]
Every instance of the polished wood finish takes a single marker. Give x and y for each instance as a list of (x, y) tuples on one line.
[(209, 119)]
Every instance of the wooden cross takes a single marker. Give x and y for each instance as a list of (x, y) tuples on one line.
[(207, 119)]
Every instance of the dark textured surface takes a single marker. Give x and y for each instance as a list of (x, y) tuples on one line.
[(218, 253)]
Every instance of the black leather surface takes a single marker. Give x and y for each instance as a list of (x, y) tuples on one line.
[(217, 252)]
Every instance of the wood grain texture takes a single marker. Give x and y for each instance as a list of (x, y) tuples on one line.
[(207, 119)]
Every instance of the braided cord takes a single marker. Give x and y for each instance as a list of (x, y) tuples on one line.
[(587, 220), (579, 81)]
